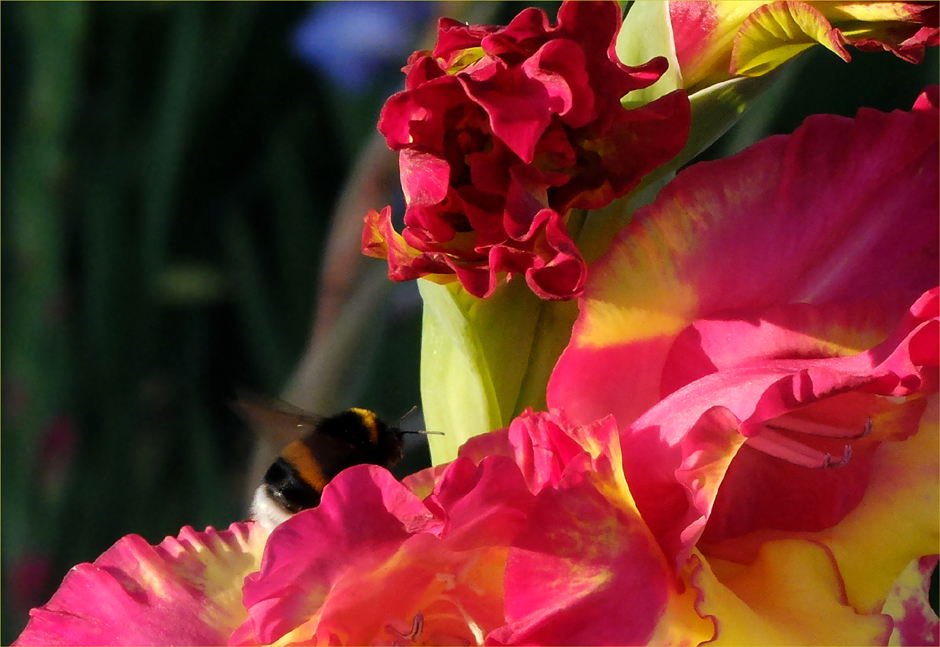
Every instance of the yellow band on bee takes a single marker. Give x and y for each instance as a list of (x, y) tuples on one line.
[(299, 456), (368, 419)]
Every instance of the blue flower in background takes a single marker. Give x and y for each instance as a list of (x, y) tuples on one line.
[(352, 41)]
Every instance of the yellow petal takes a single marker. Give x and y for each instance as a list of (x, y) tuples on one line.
[(777, 32), (791, 594), (897, 520)]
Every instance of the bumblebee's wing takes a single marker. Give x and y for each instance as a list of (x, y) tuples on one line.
[(273, 419)]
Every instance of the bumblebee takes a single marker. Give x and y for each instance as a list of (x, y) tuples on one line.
[(325, 447)]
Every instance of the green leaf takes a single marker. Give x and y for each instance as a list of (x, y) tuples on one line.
[(474, 355), (483, 361), (719, 107), (647, 33)]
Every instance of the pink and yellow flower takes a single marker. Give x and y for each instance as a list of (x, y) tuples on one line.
[(742, 444), (531, 536), (501, 132), (780, 407), (716, 41)]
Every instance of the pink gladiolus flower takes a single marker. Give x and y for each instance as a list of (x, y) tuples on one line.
[(780, 406), (719, 40), (504, 130), (769, 470), (29, 580), (531, 536)]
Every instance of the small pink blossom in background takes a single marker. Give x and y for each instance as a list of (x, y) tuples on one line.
[(30, 580), (504, 130), (56, 452)]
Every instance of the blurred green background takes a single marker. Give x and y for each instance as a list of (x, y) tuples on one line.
[(170, 172)]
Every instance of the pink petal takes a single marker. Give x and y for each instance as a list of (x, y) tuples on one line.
[(583, 573), (595, 26), (915, 622), (455, 36), (745, 337), (559, 66), (488, 501), (371, 558), (841, 210), (380, 240), (664, 448), (185, 591), (518, 106), (788, 497), (703, 41), (585, 569), (424, 177), (543, 447), (364, 506)]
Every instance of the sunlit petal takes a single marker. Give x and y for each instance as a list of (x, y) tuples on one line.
[(186, 590)]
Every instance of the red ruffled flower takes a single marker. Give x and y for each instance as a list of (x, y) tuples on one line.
[(503, 130)]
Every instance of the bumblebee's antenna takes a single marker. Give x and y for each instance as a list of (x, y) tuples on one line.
[(407, 415), (423, 432)]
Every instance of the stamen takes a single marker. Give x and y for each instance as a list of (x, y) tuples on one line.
[(769, 441), (820, 429), (417, 626), (846, 457)]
